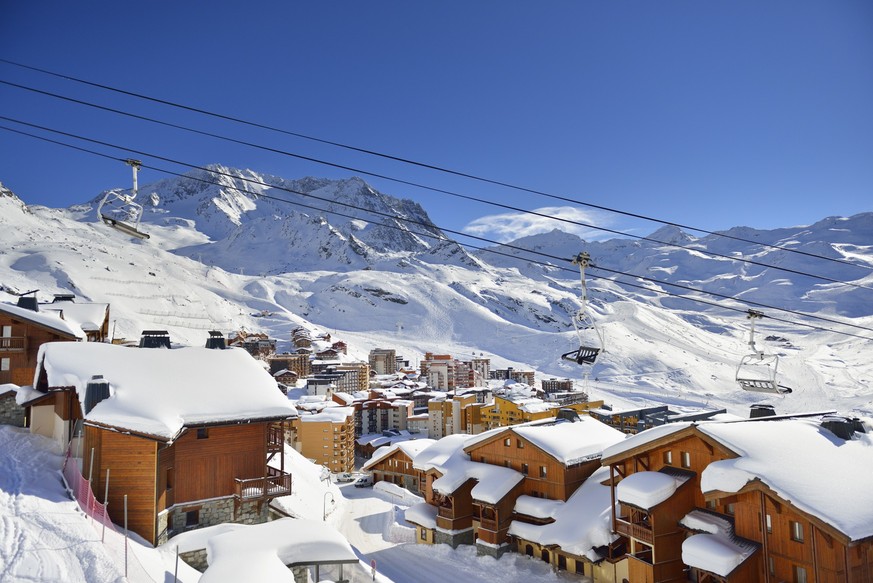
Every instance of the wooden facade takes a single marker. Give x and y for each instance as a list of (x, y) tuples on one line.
[(791, 544), (396, 468), (20, 340), (204, 463)]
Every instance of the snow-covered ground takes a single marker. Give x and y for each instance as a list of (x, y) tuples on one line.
[(45, 537)]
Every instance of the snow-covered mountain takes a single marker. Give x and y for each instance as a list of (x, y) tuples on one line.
[(228, 245)]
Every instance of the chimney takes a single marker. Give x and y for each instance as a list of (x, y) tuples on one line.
[(216, 340), (64, 298), (28, 303), (154, 339), (759, 410), (843, 427), (96, 390)]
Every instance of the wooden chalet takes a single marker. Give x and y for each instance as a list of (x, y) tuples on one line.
[(750, 501), (194, 437), (475, 487), (394, 463), (554, 458), (23, 329)]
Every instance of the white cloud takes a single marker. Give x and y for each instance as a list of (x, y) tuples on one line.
[(510, 226)]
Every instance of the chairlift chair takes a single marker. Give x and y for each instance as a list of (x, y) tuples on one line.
[(757, 371), (586, 353), (122, 212)]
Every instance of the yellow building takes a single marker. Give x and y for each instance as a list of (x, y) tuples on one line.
[(512, 411), (327, 438)]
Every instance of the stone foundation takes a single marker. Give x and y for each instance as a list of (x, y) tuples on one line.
[(10, 412), (196, 559), (453, 539), (491, 550)]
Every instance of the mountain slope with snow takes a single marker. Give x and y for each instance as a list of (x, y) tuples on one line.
[(223, 258)]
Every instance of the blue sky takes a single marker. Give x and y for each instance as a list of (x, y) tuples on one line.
[(709, 114)]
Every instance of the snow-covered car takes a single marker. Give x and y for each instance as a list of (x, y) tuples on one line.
[(345, 477)]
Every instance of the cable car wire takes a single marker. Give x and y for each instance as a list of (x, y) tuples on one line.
[(444, 239), (443, 191), (425, 165)]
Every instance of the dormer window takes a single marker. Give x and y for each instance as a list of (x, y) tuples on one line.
[(202, 433)]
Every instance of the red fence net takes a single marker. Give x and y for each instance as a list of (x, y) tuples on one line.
[(112, 536)]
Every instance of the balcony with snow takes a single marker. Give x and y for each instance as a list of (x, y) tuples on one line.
[(714, 552), (650, 506)]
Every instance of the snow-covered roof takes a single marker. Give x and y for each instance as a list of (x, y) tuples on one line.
[(87, 316), (571, 442), (157, 391), (263, 552), (715, 553), (447, 457), (647, 489), (422, 514), (411, 447), (770, 450), (8, 388), (50, 320), (582, 524), (335, 414), (645, 437)]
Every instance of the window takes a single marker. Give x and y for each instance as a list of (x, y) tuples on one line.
[(519, 444), (423, 534), (171, 477), (668, 457), (192, 518), (4, 364), (730, 509), (771, 565), (686, 459), (543, 471), (769, 523), (524, 469), (796, 531), (507, 464), (710, 504), (202, 433), (799, 574), (507, 442)]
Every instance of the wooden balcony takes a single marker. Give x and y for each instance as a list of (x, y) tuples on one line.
[(486, 524), (638, 531), (446, 512), (275, 438), (274, 484), (13, 343)]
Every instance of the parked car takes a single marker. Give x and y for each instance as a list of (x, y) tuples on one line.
[(345, 477), (364, 481)]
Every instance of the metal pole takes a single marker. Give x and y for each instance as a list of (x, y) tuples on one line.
[(125, 535), (176, 572), (90, 486), (105, 505)]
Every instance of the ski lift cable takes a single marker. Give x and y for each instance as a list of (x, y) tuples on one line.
[(425, 165), (434, 236), (459, 195)]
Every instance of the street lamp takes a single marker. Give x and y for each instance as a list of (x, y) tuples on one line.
[(324, 506)]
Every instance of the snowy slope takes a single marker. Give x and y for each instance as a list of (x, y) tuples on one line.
[(218, 257)]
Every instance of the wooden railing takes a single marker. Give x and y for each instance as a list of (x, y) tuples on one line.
[(13, 343), (637, 531), (275, 438), (274, 484), (488, 524), (446, 511)]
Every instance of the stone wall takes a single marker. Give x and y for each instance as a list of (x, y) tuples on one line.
[(453, 539), (10, 412)]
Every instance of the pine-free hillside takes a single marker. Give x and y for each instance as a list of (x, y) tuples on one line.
[(223, 259)]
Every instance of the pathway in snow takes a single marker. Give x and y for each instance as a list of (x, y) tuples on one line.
[(43, 534)]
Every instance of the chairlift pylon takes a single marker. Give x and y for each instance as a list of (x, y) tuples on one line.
[(122, 212), (757, 371), (582, 321)]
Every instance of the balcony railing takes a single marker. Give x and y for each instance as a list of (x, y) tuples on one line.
[(274, 484), (446, 511), (638, 531), (13, 343), (275, 438)]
